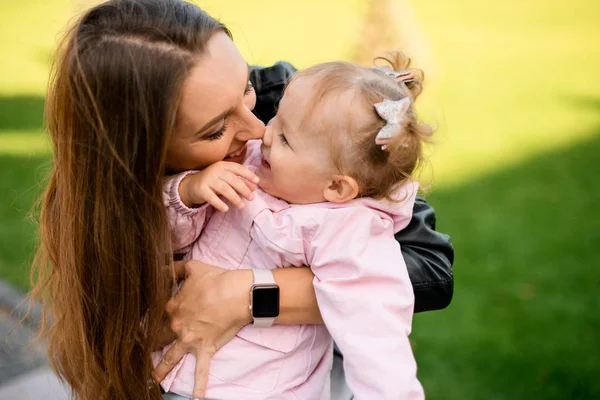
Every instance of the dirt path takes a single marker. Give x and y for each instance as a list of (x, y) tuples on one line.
[(392, 25)]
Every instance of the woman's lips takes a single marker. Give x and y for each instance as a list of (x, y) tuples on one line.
[(239, 157), (266, 164)]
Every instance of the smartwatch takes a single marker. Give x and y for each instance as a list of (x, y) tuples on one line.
[(264, 298)]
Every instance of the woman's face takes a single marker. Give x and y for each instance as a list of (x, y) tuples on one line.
[(215, 119)]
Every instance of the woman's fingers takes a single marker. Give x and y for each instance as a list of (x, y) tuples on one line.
[(201, 374), (169, 360)]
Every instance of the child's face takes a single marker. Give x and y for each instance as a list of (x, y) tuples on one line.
[(297, 164)]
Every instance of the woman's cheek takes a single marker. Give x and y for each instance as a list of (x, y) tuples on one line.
[(219, 149), (210, 155)]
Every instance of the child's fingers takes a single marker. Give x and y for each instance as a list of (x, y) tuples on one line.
[(214, 200), (250, 185), (242, 171), (238, 184), (223, 189), (201, 375)]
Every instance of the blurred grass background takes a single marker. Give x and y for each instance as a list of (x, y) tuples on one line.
[(512, 87)]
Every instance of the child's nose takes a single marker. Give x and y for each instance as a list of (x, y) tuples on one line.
[(268, 136)]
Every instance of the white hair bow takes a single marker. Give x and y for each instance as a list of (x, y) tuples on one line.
[(394, 115)]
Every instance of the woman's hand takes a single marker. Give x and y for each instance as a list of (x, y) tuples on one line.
[(211, 306), (229, 180)]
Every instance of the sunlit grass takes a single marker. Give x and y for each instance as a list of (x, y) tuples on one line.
[(508, 80), (512, 87)]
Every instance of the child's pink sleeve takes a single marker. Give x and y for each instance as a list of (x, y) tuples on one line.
[(366, 300), (186, 223)]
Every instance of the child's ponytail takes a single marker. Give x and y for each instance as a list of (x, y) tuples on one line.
[(399, 63), (403, 151)]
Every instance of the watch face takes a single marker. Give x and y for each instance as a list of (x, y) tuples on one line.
[(265, 301)]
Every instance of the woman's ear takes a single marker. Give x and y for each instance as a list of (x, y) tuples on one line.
[(341, 189)]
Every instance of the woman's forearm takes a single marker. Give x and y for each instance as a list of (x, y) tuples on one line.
[(298, 304), (297, 301)]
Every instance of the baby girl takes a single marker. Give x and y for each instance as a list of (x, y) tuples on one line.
[(335, 169)]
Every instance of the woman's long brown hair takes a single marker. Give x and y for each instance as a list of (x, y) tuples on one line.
[(102, 269)]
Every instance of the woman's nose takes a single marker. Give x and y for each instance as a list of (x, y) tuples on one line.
[(253, 128)]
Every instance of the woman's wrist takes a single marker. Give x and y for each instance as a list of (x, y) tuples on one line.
[(297, 305), (241, 281)]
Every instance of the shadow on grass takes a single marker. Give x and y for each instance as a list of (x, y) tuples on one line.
[(21, 182), (21, 113), (525, 321)]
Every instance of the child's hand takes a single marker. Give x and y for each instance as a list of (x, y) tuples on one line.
[(227, 179)]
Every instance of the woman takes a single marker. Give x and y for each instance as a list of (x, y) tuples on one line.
[(134, 83)]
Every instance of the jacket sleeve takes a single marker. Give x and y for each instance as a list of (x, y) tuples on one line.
[(186, 223), (269, 83), (429, 256), (366, 300)]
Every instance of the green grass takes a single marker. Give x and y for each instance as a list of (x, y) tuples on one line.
[(20, 178), (513, 89), (504, 77), (524, 323)]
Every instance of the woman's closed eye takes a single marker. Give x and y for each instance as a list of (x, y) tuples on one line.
[(218, 134)]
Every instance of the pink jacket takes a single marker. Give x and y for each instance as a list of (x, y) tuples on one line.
[(361, 283)]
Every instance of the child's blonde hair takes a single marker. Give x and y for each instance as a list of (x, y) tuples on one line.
[(378, 171)]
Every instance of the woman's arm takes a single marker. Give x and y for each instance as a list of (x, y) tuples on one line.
[(428, 256), (213, 304), (297, 301), (427, 253)]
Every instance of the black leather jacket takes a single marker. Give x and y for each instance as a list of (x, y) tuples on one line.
[(428, 254)]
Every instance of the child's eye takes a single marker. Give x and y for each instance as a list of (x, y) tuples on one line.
[(283, 139), (218, 134), (249, 88)]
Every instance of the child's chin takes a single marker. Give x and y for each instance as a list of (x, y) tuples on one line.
[(265, 185)]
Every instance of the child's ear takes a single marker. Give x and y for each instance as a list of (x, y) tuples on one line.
[(341, 189)]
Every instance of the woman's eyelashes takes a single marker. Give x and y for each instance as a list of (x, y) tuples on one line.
[(218, 134)]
